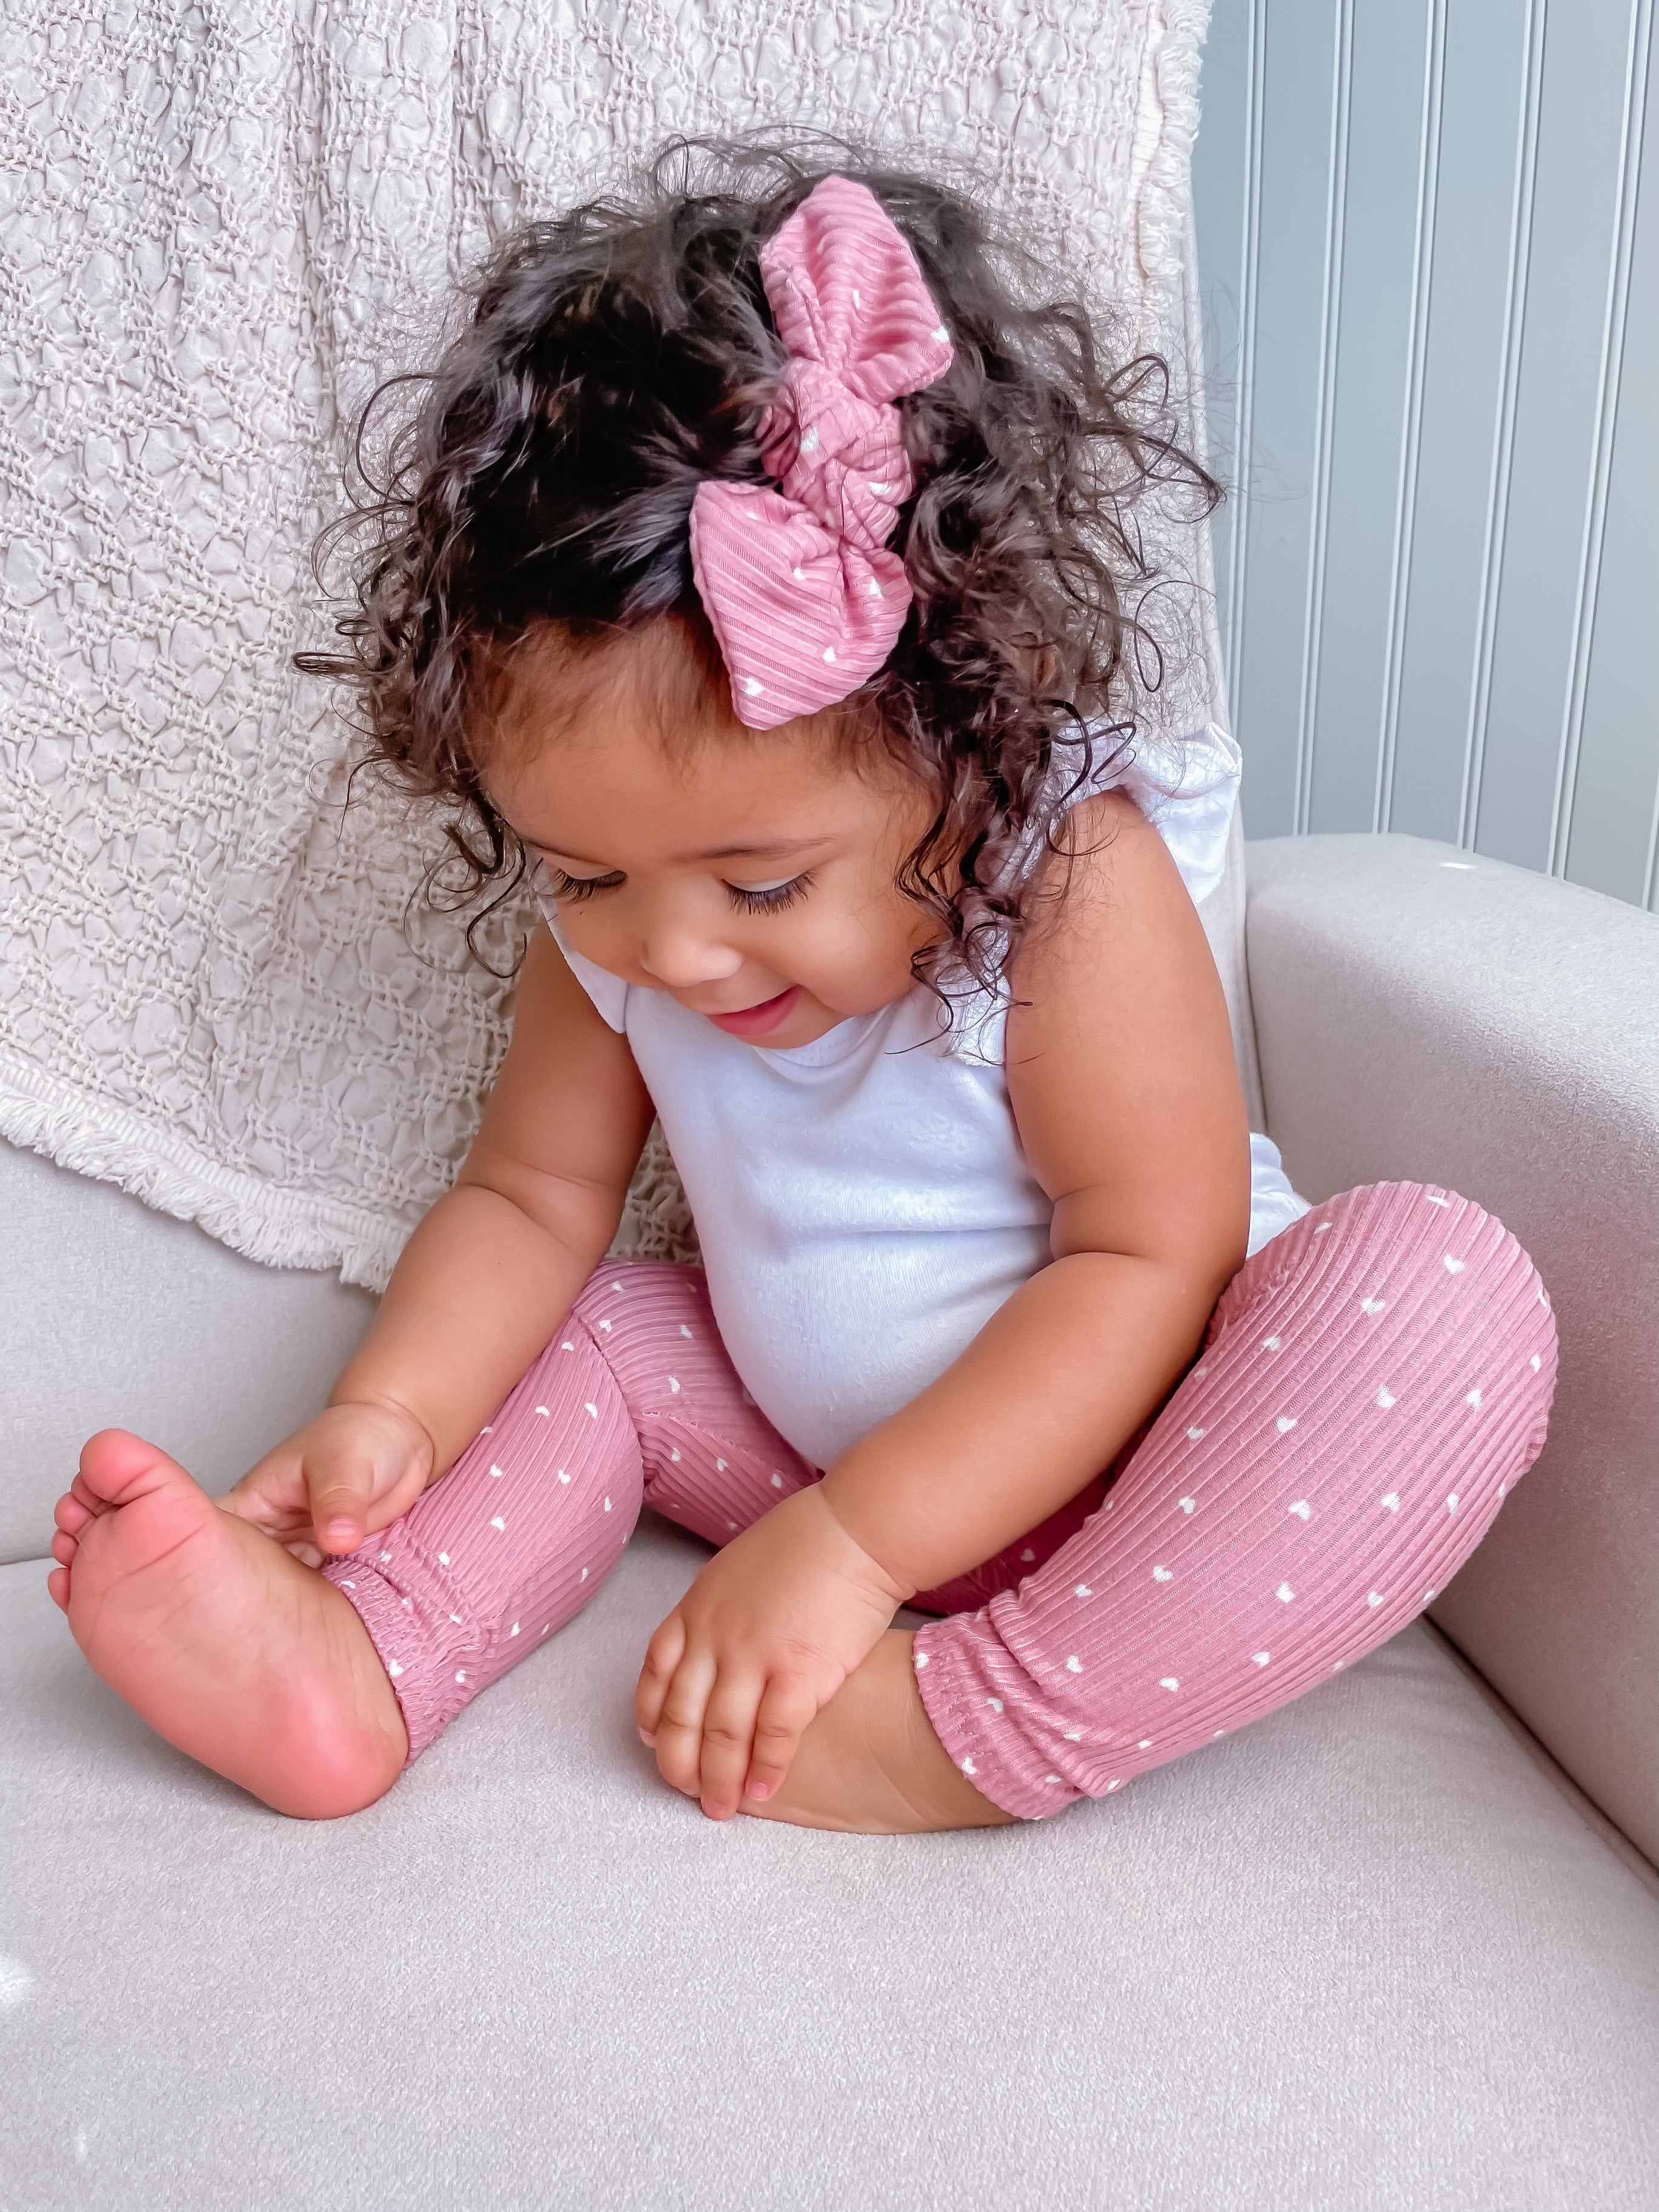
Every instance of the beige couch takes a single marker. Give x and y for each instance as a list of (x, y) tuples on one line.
[(1397, 1946)]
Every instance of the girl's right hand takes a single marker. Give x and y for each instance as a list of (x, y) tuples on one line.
[(354, 1468)]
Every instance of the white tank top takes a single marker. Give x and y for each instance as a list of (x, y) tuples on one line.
[(862, 1202)]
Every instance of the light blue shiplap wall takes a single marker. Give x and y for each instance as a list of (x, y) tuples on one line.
[(1429, 239)]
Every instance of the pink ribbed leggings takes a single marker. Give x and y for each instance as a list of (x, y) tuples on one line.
[(1371, 1385)]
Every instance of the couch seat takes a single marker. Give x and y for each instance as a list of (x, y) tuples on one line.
[(1369, 1953)]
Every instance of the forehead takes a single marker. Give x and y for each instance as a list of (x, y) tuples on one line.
[(604, 792), (606, 753)]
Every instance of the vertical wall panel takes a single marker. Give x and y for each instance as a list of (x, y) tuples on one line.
[(1372, 361), (1431, 266), (1575, 195), (1408, 487), (1483, 110), (1300, 156), (1615, 798)]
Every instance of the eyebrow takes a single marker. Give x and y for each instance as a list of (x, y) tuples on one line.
[(780, 845)]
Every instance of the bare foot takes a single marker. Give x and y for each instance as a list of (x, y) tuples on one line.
[(871, 1763), (222, 1641)]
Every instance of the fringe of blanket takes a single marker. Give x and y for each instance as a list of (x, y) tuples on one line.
[(109, 1143)]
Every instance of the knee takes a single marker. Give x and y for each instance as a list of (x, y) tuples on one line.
[(1417, 1231), (1413, 1222), (1413, 1259), (1437, 1240), (1454, 1270)]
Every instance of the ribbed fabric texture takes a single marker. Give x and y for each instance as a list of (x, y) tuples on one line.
[(633, 1399), (1372, 1383), (804, 599)]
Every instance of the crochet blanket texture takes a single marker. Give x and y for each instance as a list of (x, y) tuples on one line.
[(222, 225)]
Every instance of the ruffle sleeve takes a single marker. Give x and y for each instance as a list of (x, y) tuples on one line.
[(1188, 788)]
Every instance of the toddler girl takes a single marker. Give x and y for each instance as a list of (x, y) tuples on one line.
[(763, 570)]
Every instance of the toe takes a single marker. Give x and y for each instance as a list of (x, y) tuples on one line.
[(72, 1515), (117, 1467), (64, 1548), (58, 1586)]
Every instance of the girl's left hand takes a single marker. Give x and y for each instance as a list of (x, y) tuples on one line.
[(760, 1642)]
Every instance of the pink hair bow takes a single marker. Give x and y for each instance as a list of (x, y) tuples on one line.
[(805, 600)]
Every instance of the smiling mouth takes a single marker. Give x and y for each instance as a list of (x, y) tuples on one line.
[(757, 1020)]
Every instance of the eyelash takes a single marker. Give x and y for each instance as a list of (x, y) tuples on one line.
[(579, 887), (774, 900)]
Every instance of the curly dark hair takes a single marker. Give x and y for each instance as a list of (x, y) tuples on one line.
[(615, 358)]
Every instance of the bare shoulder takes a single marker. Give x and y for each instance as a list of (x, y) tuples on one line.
[(1120, 1058), (1111, 870)]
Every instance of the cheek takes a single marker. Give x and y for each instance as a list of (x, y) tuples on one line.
[(860, 944), (894, 925), (598, 937)]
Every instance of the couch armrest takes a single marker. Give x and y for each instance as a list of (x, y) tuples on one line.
[(1424, 1015)]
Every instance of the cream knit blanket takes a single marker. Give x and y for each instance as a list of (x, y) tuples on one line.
[(219, 226)]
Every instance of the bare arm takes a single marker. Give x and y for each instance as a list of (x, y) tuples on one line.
[(1122, 1077), (493, 1267), (482, 1283)]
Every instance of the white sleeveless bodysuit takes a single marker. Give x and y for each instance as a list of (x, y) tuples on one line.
[(862, 1203)]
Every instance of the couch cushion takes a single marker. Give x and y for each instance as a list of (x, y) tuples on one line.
[(111, 1316), (1364, 1954)]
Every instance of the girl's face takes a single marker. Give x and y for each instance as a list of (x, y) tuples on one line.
[(750, 874)]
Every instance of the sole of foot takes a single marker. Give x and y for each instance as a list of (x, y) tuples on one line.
[(220, 1640), (871, 1764)]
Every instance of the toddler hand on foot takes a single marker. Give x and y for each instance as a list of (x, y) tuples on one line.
[(354, 1470), (760, 1642)]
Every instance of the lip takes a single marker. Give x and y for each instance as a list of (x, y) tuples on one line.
[(758, 1020)]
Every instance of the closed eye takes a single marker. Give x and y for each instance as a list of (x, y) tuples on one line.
[(566, 886), (769, 898)]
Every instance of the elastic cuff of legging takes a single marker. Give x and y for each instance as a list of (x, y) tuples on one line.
[(407, 1613), (972, 1715)]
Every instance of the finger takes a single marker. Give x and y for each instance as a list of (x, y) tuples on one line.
[(728, 1733), (341, 1485), (284, 1524), (272, 1496), (251, 1502), (679, 1724), (787, 1712), (662, 1655)]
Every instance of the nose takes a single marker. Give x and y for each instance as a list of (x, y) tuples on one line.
[(681, 959)]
